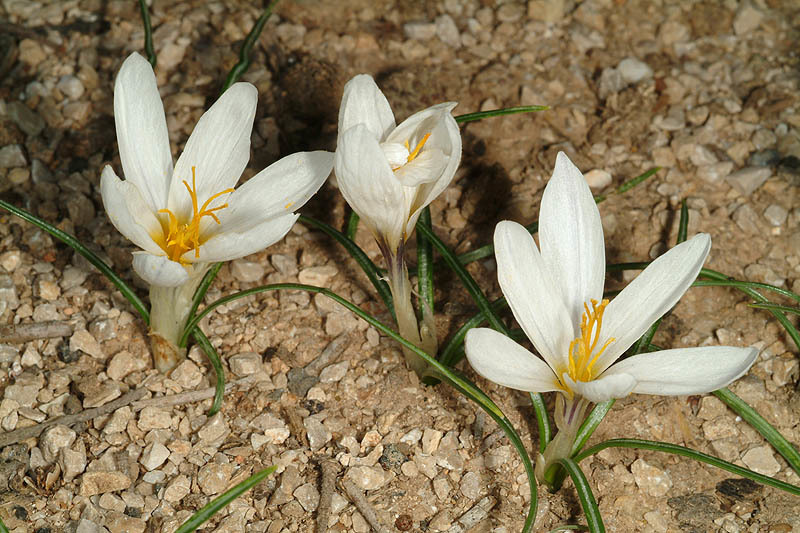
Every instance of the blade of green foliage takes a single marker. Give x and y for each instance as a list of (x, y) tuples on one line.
[(488, 249), (745, 286), (773, 436), (366, 264), (222, 501), (460, 383), (585, 494), (3, 528), (683, 223), (90, 256), (542, 422), (777, 307), (352, 225), (199, 294), (480, 115), (211, 352), (425, 266), (692, 454), (247, 46), (148, 34)]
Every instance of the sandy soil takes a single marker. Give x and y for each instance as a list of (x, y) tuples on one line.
[(707, 90)]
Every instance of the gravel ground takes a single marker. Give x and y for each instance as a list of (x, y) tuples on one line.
[(707, 90)]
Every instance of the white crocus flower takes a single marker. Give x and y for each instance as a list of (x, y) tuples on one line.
[(389, 174), (556, 294), (187, 217)]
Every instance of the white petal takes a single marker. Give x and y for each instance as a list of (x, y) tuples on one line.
[(396, 154), (445, 137), (503, 361), (528, 287), (159, 270), (128, 211), (369, 185), (142, 131), (233, 245), (603, 388), (363, 103), (571, 237), (425, 168), (281, 188), (654, 292), (686, 370), (218, 148)]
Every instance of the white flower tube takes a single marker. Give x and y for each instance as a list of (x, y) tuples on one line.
[(556, 294), (187, 217), (389, 174)]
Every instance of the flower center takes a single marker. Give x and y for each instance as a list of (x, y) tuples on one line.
[(411, 154), (583, 352), (184, 237)]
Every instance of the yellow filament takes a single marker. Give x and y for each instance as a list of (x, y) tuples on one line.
[(184, 237), (582, 353)]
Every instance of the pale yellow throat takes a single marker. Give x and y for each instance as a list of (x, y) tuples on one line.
[(583, 351)]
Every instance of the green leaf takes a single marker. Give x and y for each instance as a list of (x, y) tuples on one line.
[(692, 454), (480, 115), (425, 266), (352, 226), (247, 46), (222, 501), (751, 416), (148, 34), (3, 528), (366, 264), (542, 422), (219, 389), (683, 224), (777, 307), (460, 383), (589, 504), (199, 294), (597, 414), (90, 256)]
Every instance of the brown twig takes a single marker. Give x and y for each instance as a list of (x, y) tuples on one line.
[(19, 333), (13, 437), (330, 470), (356, 496), (190, 396)]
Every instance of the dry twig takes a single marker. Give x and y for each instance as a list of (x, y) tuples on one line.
[(330, 470), (19, 333), (356, 496)]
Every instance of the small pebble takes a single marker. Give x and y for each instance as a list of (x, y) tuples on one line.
[(598, 178), (633, 70)]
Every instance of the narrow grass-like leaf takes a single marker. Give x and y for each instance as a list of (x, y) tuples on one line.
[(247, 46), (745, 285), (211, 352), (352, 225), (466, 278), (776, 307), (596, 415), (220, 502), (3, 528), (480, 115), (692, 454), (148, 34), (585, 494), (90, 256), (459, 382), (199, 294), (425, 266), (542, 422), (366, 264), (683, 223), (773, 436)]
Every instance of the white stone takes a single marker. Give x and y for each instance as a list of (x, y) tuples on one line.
[(334, 372), (749, 179), (650, 479), (420, 31), (70, 86), (317, 275), (447, 31), (598, 178), (367, 477), (747, 19), (154, 456), (762, 460), (54, 439), (633, 70), (245, 364), (84, 341)]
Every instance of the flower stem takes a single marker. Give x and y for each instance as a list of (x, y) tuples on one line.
[(569, 415), (169, 310), (404, 310)]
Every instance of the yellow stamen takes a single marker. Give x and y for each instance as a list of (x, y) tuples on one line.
[(582, 351), (287, 206), (413, 155), (181, 238)]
